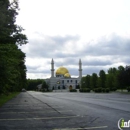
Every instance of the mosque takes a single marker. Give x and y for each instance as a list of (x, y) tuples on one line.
[(62, 78)]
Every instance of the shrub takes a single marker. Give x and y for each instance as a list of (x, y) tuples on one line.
[(99, 90), (107, 90), (128, 89), (85, 90), (103, 90), (113, 89), (81, 90), (73, 90)]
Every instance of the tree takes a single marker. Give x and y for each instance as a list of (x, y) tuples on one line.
[(12, 63), (102, 78), (87, 81), (12, 68), (111, 79), (121, 77), (32, 83), (124, 77), (10, 33), (94, 79), (45, 86), (83, 82), (127, 75)]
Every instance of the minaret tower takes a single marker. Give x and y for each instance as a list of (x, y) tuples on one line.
[(52, 68), (80, 69)]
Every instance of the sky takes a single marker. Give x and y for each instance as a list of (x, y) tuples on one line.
[(95, 31)]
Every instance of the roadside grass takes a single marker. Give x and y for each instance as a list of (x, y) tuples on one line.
[(6, 98)]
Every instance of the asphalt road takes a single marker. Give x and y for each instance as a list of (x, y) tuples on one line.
[(64, 111)]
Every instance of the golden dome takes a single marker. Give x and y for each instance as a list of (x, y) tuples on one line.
[(67, 75), (61, 70)]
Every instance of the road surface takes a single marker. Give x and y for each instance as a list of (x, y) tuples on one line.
[(64, 111)]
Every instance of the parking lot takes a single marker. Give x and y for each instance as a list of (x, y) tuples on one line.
[(64, 111)]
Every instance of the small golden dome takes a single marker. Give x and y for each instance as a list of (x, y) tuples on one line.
[(61, 70), (67, 75)]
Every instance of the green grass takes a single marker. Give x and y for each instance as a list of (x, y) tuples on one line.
[(5, 98)]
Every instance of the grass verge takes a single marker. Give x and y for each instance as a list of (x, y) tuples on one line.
[(5, 98)]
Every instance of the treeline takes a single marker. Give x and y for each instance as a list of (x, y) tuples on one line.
[(12, 59), (115, 78), (32, 84)]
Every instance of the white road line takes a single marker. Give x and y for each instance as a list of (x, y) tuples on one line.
[(44, 118), (37, 107), (33, 112), (87, 128), (30, 105)]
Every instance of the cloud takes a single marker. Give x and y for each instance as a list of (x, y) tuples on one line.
[(69, 30), (49, 46), (102, 53), (108, 45)]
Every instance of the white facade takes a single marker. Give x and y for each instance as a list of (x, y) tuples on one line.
[(62, 79)]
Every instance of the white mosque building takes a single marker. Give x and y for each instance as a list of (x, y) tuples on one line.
[(62, 78)]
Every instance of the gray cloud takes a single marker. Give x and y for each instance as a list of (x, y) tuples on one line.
[(95, 55), (112, 45), (35, 69), (97, 62), (47, 46)]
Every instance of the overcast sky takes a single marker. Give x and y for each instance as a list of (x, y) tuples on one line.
[(97, 31)]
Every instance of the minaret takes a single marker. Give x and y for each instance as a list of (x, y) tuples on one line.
[(80, 69), (52, 68)]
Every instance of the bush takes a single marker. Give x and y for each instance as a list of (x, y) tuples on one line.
[(47, 90), (107, 90), (128, 89), (73, 90), (113, 89), (99, 90), (84, 90)]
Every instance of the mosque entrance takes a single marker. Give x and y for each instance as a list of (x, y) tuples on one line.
[(70, 87)]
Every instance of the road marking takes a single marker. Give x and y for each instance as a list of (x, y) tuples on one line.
[(32, 105), (44, 118), (33, 112), (36, 107), (87, 128)]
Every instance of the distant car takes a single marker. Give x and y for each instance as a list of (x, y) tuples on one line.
[(23, 90)]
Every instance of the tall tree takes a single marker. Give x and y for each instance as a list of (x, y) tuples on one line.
[(32, 83), (94, 79), (102, 78), (12, 68), (83, 82), (12, 63), (111, 79), (10, 32), (127, 76), (121, 77), (87, 81)]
